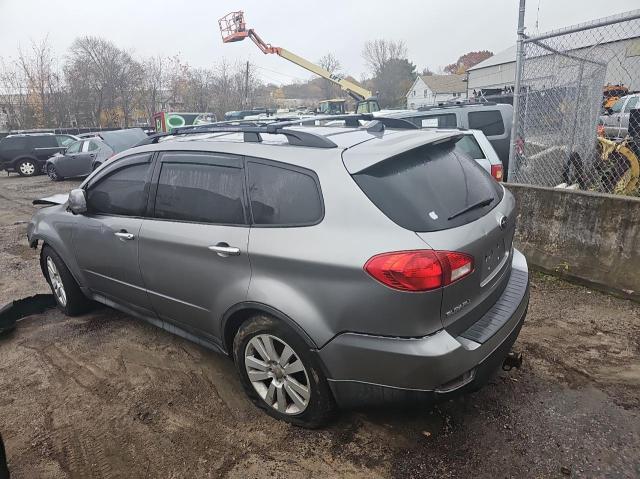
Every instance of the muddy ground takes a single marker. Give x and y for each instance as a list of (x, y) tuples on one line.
[(105, 395)]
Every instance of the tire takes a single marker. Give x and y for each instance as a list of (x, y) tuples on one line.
[(26, 167), (71, 301), (52, 173), (273, 382)]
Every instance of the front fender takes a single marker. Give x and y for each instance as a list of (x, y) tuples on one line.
[(55, 226)]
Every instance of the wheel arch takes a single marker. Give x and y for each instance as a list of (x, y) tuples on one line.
[(24, 157), (239, 313)]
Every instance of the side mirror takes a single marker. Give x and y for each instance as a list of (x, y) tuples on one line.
[(77, 201)]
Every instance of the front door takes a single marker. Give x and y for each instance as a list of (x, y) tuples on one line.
[(193, 252), (106, 238)]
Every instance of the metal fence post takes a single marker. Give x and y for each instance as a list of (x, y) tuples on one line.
[(513, 162)]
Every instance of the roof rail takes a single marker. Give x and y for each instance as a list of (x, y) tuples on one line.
[(456, 105), (253, 129), (252, 134)]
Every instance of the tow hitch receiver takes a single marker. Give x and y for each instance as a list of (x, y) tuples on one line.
[(513, 360)]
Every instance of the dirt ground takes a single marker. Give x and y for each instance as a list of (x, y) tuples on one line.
[(105, 395)]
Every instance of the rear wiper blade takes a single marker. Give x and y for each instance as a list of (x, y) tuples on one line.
[(479, 204)]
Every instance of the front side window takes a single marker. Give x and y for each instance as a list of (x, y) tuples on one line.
[(64, 141), (489, 122), (123, 192), (617, 106), (631, 104), (282, 196), (74, 147), (202, 193)]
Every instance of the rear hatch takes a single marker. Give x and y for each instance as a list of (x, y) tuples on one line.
[(120, 140), (452, 204)]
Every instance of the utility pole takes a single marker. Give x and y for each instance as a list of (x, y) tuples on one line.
[(246, 87), (512, 171)]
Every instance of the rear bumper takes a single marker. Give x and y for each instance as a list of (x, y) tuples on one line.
[(366, 369)]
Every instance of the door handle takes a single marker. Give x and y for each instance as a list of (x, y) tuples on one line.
[(124, 235), (224, 250)]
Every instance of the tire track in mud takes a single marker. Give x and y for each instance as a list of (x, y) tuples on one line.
[(81, 456)]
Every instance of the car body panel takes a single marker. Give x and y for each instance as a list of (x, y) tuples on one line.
[(500, 142), (313, 275), (94, 151), (9, 158), (616, 123)]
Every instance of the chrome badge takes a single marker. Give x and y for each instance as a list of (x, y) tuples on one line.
[(502, 221)]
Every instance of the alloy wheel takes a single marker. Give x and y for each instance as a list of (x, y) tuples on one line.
[(56, 282), (51, 171), (277, 374)]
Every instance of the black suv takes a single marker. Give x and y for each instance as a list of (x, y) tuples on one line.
[(27, 153)]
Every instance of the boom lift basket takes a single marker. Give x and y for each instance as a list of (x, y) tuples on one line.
[(232, 27)]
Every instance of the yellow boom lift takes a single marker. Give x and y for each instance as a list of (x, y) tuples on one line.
[(234, 29)]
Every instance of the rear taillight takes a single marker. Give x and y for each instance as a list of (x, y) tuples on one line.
[(496, 172), (420, 270)]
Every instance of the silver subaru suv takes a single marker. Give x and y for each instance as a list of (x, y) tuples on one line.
[(336, 265)]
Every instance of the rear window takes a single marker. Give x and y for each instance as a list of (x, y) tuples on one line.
[(446, 120), (490, 122), (427, 189)]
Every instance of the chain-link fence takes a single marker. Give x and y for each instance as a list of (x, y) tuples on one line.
[(576, 115)]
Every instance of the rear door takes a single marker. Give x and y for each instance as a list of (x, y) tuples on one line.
[(193, 251), (44, 147)]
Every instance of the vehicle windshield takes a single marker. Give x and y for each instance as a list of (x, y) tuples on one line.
[(427, 188)]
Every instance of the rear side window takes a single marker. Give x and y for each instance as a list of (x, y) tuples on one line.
[(123, 192), (93, 145), (283, 196), (490, 122), (426, 189), (48, 141), (469, 146), (14, 143), (200, 193)]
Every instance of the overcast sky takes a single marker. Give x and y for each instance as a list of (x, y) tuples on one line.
[(436, 32)]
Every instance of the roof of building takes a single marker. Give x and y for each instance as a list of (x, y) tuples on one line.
[(601, 33), (445, 83), (505, 56)]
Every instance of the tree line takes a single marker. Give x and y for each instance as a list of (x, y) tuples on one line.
[(97, 84)]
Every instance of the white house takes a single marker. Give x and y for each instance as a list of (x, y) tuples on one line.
[(433, 89)]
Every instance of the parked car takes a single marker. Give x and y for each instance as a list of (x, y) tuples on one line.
[(493, 119), (27, 153), (616, 122), (84, 156), (334, 265)]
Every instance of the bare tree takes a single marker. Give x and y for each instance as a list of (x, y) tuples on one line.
[(330, 63), (377, 53)]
